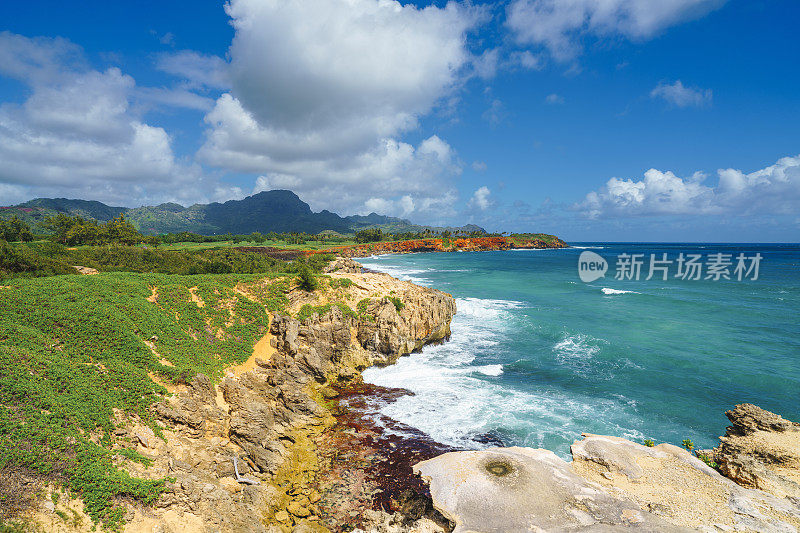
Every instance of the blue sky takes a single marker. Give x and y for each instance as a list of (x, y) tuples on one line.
[(614, 120)]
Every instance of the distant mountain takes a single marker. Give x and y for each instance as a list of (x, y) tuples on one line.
[(279, 211)]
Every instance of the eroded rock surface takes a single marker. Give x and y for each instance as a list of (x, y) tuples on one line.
[(761, 450), (613, 484), (343, 265), (522, 490), (268, 412), (680, 488)]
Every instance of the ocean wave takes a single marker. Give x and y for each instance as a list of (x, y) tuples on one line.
[(576, 347), (609, 292), (486, 309), (405, 274), (588, 247), (452, 406), (490, 370)]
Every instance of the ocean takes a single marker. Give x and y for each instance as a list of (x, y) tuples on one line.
[(537, 356)]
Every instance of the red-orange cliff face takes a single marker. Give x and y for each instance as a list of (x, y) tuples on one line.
[(470, 244)]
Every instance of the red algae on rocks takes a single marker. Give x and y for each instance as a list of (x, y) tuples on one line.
[(367, 461)]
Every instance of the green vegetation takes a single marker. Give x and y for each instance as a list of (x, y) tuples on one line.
[(72, 349), (22, 261), (649, 443), (523, 238), (343, 283), (268, 211), (369, 235), (398, 304), (79, 231), (15, 230), (75, 349), (44, 258), (362, 305), (309, 310), (306, 280), (707, 459), (688, 444), (12, 527)]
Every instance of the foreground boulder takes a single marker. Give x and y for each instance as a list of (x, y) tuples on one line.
[(522, 489), (613, 484)]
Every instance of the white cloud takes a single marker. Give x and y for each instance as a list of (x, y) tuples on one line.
[(197, 69), (486, 64), (526, 59), (175, 97), (322, 90), (481, 199), (681, 96), (554, 99), (559, 25), (77, 135), (495, 114), (39, 60), (479, 166), (772, 190)]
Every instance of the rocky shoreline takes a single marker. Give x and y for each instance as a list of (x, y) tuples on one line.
[(312, 452), (275, 415)]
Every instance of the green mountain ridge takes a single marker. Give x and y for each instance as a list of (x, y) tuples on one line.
[(280, 211)]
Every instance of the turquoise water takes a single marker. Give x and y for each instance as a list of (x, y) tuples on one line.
[(537, 356)]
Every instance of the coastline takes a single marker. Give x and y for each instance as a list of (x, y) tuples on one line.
[(314, 453), (432, 245)]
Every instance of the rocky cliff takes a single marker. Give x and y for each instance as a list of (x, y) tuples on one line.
[(240, 453)]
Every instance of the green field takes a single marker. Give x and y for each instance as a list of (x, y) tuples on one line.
[(307, 246)]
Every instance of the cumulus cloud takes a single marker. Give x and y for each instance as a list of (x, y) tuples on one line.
[(681, 96), (76, 133), (322, 90), (481, 199), (554, 99), (559, 25), (774, 190)]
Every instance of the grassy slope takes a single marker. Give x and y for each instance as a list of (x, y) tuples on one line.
[(72, 350)]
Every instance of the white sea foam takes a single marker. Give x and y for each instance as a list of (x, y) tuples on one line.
[(610, 292), (576, 347), (490, 370), (405, 274), (458, 392), (588, 247), (460, 389)]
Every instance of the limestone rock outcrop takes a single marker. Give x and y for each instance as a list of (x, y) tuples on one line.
[(613, 484), (267, 416), (522, 490), (761, 450), (680, 488), (343, 265)]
